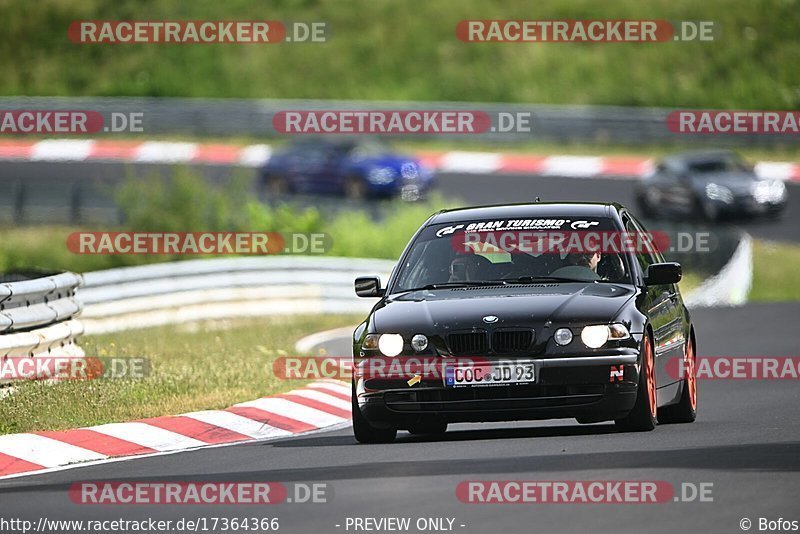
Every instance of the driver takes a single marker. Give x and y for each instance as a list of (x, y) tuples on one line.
[(581, 265), (590, 260), (468, 267)]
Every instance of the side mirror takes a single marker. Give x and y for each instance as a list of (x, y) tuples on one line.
[(663, 273), (369, 286)]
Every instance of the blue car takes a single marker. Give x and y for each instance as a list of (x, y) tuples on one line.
[(357, 169)]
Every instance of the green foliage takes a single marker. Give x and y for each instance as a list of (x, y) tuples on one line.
[(181, 203), (391, 50), (185, 202), (775, 274)]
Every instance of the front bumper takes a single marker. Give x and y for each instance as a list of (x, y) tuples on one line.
[(408, 190), (579, 387), (747, 205)]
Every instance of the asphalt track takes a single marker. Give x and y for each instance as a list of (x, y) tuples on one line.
[(51, 186), (746, 442)]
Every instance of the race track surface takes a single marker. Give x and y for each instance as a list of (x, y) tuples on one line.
[(51, 184), (745, 442)]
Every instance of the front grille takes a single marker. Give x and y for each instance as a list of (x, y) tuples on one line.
[(493, 398), (510, 341), (468, 343)]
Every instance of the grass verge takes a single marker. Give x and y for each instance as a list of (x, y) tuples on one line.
[(211, 367), (776, 277)]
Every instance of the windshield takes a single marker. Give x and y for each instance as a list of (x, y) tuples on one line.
[(369, 148), (516, 251), (722, 164)]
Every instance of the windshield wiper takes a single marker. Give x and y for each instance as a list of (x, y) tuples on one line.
[(537, 279), (450, 285)]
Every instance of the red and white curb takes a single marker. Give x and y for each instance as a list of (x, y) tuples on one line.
[(320, 405), (164, 152)]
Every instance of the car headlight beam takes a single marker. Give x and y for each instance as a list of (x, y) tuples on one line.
[(390, 344), (719, 192), (595, 336), (381, 175)]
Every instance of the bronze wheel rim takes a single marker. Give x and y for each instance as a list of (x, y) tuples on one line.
[(691, 374), (650, 376)]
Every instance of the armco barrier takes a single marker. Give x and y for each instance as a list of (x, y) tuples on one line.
[(731, 285), (253, 118), (151, 295), (37, 315)]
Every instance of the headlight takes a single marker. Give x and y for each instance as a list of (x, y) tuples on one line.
[(390, 344), (719, 192), (409, 171), (419, 342), (595, 336), (381, 175), (563, 336), (768, 191)]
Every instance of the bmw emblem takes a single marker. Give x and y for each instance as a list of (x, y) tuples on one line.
[(490, 319)]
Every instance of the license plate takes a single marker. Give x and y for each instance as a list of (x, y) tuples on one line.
[(494, 374)]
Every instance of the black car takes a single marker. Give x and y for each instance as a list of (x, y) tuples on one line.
[(481, 332), (709, 185)]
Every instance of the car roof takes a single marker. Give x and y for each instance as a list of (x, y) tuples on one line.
[(343, 141), (697, 156), (529, 209)]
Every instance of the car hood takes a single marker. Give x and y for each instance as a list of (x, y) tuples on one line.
[(395, 161), (740, 183), (447, 310)]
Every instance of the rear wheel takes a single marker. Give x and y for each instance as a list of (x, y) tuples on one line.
[(642, 417), (276, 185), (366, 433), (354, 188), (686, 409)]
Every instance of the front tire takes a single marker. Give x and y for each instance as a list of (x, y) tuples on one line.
[(366, 433), (647, 209), (685, 411), (707, 210), (642, 418)]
